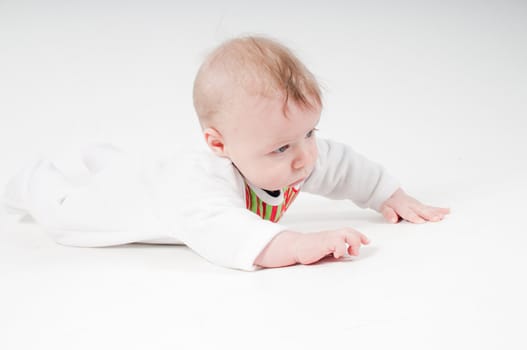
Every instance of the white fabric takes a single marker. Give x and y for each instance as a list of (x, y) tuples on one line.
[(341, 173), (99, 196)]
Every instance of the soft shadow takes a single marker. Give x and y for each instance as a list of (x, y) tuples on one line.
[(308, 215), (142, 246), (26, 219), (365, 253)]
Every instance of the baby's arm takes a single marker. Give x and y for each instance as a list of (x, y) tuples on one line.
[(341, 173), (289, 248)]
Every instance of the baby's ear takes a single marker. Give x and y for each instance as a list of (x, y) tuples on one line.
[(214, 140)]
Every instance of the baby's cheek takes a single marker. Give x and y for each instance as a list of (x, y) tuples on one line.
[(314, 152), (275, 178), (278, 177)]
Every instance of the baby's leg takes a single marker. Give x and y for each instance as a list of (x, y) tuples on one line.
[(85, 204), (71, 166), (100, 156)]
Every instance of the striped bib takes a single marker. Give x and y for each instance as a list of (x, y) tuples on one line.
[(269, 206)]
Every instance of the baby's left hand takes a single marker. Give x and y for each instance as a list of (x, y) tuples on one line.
[(401, 205)]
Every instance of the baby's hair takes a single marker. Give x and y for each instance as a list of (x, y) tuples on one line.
[(258, 66)]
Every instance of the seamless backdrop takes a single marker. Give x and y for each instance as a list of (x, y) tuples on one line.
[(434, 90)]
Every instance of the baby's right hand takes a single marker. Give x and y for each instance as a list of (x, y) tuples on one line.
[(312, 247)]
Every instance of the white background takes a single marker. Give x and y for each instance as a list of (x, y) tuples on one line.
[(435, 91)]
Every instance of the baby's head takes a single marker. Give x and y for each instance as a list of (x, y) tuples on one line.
[(258, 106)]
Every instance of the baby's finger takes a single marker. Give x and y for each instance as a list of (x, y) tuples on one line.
[(353, 251), (390, 215), (428, 213), (436, 214), (443, 211), (339, 249), (354, 240), (364, 239), (410, 215)]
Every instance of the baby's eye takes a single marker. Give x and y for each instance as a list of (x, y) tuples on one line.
[(310, 133), (281, 149)]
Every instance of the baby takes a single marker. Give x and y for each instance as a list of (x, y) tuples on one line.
[(258, 107)]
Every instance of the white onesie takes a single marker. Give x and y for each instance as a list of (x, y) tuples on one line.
[(100, 197)]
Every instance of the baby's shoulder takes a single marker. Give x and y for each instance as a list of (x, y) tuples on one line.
[(199, 168)]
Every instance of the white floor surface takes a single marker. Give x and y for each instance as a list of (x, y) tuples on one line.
[(436, 93)]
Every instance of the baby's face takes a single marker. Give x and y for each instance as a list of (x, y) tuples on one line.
[(271, 150)]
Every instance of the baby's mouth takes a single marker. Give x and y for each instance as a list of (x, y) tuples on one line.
[(301, 180), (298, 182)]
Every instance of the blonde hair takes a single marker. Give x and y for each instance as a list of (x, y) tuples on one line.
[(258, 66)]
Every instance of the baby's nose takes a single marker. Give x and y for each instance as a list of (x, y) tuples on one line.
[(301, 159)]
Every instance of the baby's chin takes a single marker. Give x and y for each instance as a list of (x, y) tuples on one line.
[(268, 186), (272, 188), (275, 187)]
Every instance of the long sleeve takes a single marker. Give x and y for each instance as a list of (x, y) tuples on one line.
[(211, 219), (341, 173)]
